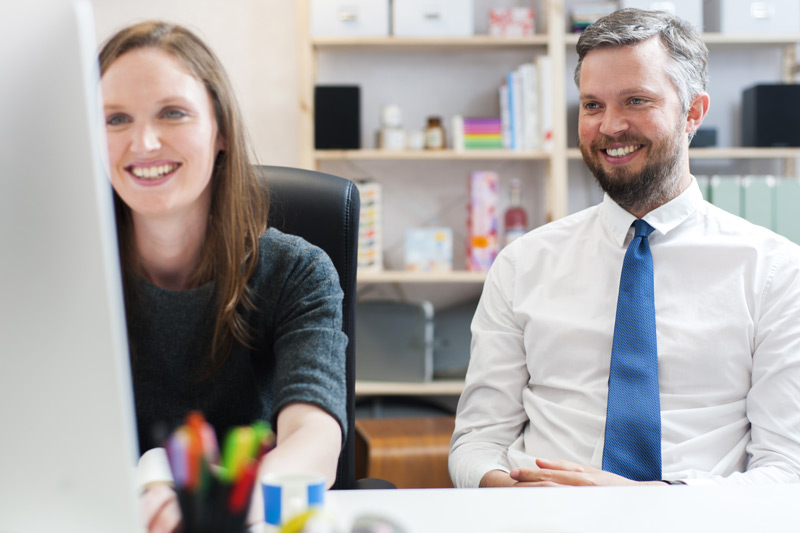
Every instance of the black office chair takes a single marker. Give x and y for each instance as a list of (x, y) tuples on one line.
[(324, 210)]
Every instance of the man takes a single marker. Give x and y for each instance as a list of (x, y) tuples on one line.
[(550, 396)]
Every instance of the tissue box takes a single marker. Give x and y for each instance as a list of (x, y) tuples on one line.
[(482, 244), (429, 249), (740, 16), (432, 18), (349, 18), (511, 21)]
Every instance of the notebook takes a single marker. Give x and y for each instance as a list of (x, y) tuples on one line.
[(68, 449)]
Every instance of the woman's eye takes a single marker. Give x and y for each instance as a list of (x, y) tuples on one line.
[(173, 113), (117, 120)]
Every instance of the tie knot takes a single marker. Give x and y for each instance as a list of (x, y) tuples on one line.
[(642, 228)]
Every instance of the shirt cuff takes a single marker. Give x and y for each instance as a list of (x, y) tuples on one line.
[(153, 468)]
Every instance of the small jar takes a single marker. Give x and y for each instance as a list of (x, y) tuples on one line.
[(434, 134)]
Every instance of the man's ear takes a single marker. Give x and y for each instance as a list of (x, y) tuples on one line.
[(697, 112)]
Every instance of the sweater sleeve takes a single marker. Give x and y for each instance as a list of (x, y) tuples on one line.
[(309, 343)]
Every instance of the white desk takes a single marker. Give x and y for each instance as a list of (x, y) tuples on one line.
[(575, 510)]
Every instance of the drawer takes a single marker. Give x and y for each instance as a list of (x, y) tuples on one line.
[(349, 18), (433, 18)]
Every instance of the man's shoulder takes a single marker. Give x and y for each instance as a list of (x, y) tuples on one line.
[(569, 225)]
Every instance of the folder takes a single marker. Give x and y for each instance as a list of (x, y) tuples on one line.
[(787, 200), (724, 193), (758, 199)]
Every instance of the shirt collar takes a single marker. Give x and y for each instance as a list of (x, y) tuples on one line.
[(663, 219)]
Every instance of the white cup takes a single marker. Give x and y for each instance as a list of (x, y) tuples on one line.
[(289, 495)]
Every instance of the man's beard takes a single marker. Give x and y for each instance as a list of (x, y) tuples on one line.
[(655, 184)]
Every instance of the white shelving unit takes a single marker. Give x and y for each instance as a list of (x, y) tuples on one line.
[(554, 42)]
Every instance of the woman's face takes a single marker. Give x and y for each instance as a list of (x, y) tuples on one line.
[(162, 135)]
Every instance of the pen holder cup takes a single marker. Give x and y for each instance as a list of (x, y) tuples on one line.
[(289, 495), (209, 510)]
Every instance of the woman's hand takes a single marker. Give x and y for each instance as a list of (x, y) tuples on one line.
[(160, 510)]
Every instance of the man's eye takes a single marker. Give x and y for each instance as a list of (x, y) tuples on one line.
[(590, 106), (173, 113), (637, 101), (117, 120)]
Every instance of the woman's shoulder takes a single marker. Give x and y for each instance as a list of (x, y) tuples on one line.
[(285, 255)]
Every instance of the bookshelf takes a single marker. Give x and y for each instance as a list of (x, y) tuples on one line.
[(550, 169)]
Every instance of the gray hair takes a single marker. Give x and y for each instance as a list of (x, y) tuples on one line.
[(688, 70)]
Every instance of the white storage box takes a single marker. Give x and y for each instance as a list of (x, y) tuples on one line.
[(746, 16), (433, 18), (689, 10), (349, 18)]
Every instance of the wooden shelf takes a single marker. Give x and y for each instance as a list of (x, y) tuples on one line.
[(394, 388), (728, 38), (426, 155), (405, 276), (476, 41), (726, 153)]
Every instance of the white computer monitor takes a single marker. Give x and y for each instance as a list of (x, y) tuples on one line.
[(67, 430)]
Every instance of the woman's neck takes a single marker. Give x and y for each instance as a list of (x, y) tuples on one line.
[(169, 248)]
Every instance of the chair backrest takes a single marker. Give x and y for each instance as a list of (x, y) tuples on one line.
[(324, 209)]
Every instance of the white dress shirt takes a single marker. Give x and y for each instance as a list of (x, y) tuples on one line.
[(727, 298)]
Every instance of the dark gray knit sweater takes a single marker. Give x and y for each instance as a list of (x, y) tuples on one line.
[(297, 355)]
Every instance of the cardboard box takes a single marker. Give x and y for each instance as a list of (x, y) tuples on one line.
[(429, 250), (433, 18), (689, 10), (745, 16), (349, 18), (482, 224), (511, 21)]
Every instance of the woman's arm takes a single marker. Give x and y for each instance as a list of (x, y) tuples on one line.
[(309, 440)]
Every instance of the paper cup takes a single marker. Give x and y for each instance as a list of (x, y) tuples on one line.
[(289, 495)]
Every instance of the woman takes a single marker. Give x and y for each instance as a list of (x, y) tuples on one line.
[(224, 316)]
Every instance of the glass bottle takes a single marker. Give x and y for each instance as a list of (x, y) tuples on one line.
[(516, 219), (434, 134)]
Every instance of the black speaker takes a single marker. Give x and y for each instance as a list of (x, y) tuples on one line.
[(770, 115), (337, 117)]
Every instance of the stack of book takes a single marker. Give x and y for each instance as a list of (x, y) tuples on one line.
[(477, 133), (526, 107)]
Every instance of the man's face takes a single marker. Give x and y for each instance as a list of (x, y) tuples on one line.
[(632, 129)]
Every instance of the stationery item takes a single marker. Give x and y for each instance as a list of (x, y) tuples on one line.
[(482, 238), (290, 496), (214, 489), (633, 416), (511, 21), (429, 249), (370, 227)]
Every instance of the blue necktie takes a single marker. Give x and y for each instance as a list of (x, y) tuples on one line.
[(633, 416)]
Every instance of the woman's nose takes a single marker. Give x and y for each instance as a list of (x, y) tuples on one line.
[(145, 139)]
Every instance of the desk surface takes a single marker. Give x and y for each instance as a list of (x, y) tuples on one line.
[(601, 509)]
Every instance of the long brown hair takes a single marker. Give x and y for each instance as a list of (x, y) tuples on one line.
[(239, 203)]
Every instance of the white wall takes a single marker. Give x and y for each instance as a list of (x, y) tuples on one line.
[(256, 41)]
